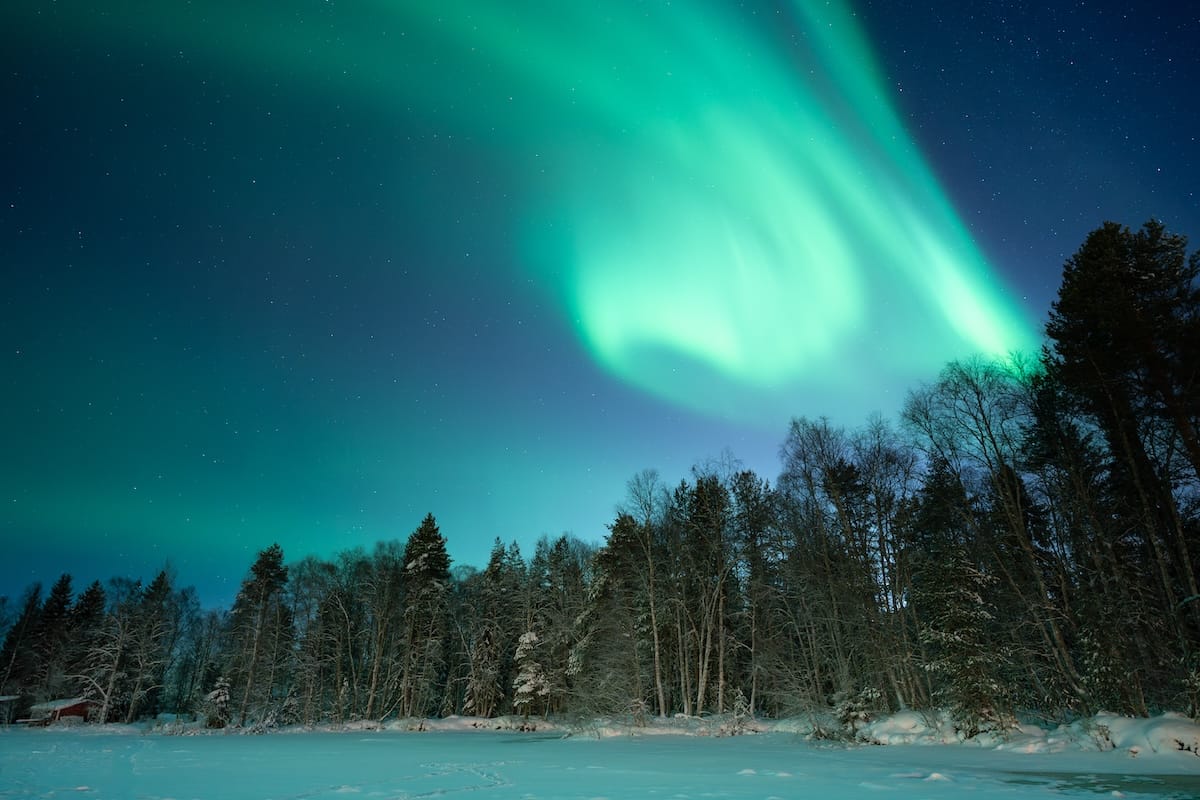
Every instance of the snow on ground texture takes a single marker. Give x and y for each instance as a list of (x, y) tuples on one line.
[(450, 762)]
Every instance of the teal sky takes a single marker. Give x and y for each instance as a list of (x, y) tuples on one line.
[(305, 276)]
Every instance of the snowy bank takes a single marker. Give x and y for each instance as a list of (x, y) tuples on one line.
[(1165, 734), (1171, 735)]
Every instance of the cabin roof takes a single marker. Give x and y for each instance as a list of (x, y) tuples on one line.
[(57, 705)]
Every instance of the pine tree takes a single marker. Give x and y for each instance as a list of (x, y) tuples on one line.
[(557, 598), (86, 624), (426, 621), (763, 639), (216, 704), (1125, 331), (494, 607), (951, 594), (18, 664), (611, 660), (530, 689), (51, 638), (707, 574), (261, 633)]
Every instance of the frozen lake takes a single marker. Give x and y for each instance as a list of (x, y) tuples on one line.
[(513, 766)]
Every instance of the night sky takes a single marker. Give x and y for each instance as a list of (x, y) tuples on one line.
[(305, 271)]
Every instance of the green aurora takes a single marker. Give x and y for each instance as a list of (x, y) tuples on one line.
[(723, 213), (747, 215)]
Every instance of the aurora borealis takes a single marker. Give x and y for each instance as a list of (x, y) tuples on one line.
[(304, 276), (740, 224)]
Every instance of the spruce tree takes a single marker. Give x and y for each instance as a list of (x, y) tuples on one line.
[(530, 689), (1124, 332), (86, 623), (493, 607), (18, 659), (51, 638), (260, 635), (1126, 327), (611, 661), (426, 620), (951, 592)]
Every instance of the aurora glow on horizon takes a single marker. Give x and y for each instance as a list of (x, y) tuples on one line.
[(307, 274)]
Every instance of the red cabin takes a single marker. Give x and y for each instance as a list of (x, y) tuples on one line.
[(73, 709)]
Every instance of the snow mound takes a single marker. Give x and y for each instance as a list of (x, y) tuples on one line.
[(1168, 733), (907, 727)]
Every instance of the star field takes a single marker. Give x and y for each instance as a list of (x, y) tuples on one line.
[(305, 276)]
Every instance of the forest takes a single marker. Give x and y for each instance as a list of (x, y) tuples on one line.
[(1020, 543)]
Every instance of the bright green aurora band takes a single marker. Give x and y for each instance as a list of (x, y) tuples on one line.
[(727, 207), (747, 214)]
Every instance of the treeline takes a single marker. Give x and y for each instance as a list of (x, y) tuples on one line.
[(1024, 540)]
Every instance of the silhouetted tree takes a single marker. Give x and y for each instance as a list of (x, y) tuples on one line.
[(1124, 332), (426, 620), (260, 636), (18, 664)]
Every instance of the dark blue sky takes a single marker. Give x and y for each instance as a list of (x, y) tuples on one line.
[(305, 277)]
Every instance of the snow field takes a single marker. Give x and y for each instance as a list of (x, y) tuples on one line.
[(99, 763)]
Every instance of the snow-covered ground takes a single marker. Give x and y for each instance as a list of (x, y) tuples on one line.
[(448, 761)]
